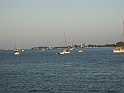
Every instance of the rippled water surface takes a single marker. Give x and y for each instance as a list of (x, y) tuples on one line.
[(96, 70)]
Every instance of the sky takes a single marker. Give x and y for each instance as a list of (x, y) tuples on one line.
[(43, 22)]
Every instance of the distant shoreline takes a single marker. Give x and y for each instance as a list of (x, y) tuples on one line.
[(118, 44)]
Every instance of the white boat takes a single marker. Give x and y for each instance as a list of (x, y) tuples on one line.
[(43, 49), (72, 48), (23, 50), (16, 51), (120, 49), (64, 52), (80, 50)]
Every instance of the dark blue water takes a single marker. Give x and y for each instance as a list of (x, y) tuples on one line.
[(96, 70)]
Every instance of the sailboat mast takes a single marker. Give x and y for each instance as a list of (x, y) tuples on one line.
[(123, 30), (65, 38), (72, 42), (17, 44)]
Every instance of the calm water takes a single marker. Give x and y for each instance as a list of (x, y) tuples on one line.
[(96, 70)]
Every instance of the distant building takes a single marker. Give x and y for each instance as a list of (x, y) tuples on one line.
[(119, 44)]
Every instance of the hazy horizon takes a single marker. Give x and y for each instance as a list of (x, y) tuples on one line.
[(43, 22)]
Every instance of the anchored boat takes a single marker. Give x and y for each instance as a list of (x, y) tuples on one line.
[(120, 49), (64, 52), (16, 51)]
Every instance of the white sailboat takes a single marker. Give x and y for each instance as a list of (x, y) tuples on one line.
[(80, 50), (120, 49), (16, 51), (72, 46), (23, 50), (65, 51)]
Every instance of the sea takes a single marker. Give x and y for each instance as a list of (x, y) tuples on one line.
[(96, 70)]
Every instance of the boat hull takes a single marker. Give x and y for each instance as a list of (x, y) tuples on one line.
[(80, 51), (16, 53), (118, 50), (64, 52)]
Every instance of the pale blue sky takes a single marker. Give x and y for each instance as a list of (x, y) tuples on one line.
[(43, 22)]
